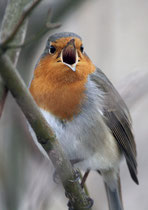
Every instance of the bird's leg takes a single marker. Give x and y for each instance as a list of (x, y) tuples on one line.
[(89, 200), (84, 178)]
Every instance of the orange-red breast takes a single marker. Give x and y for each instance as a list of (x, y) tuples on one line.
[(88, 116)]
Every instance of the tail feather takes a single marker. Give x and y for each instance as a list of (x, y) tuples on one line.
[(114, 197)]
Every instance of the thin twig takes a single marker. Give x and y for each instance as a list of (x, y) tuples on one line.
[(26, 12)]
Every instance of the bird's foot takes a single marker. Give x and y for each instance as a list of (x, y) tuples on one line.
[(76, 176), (56, 177)]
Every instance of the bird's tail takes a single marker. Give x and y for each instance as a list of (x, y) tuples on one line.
[(114, 196)]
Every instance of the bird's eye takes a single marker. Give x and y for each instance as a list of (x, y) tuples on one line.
[(52, 49), (82, 49)]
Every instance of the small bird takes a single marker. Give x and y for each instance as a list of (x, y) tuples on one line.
[(87, 114)]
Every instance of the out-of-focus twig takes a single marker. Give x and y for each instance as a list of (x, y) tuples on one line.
[(44, 134)]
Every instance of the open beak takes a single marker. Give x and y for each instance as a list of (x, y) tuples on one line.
[(69, 55)]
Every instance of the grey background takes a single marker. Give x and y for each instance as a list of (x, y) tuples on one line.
[(115, 36)]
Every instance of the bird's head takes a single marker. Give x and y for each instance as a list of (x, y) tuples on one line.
[(64, 59), (60, 77)]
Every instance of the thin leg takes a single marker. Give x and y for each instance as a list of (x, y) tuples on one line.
[(84, 178)]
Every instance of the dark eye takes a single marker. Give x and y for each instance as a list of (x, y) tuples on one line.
[(52, 49), (82, 48)]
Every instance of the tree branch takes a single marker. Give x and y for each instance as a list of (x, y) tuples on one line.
[(43, 132)]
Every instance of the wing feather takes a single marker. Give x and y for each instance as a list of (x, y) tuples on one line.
[(117, 118)]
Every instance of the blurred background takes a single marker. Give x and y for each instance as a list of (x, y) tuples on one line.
[(115, 36)]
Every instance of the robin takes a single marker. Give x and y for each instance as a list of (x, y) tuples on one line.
[(87, 114)]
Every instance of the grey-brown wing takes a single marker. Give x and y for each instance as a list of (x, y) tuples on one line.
[(117, 117)]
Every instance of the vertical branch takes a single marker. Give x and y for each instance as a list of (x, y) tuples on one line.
[(12, 14)]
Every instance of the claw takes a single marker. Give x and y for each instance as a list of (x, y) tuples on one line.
[(77, 176), (56, 178)]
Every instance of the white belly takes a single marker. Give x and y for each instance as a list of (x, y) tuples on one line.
[(87, 140)]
